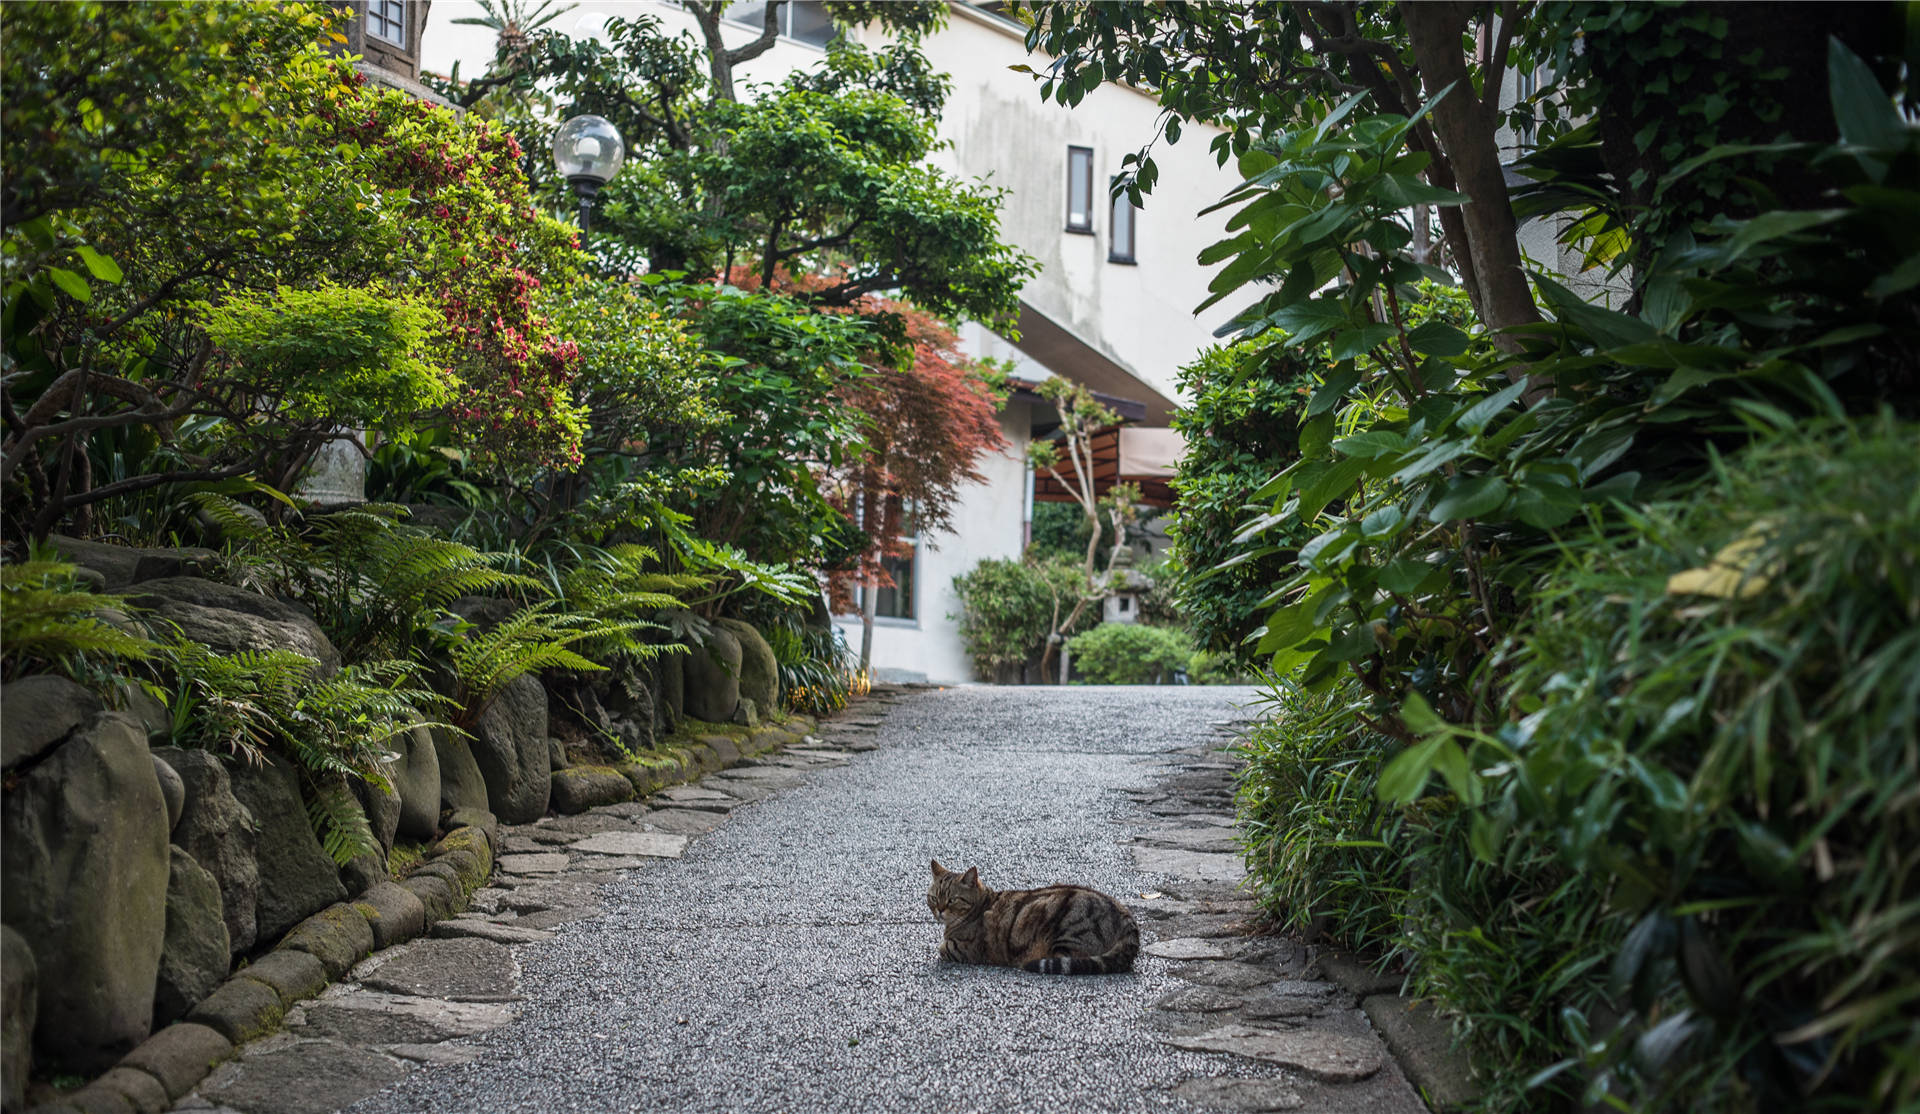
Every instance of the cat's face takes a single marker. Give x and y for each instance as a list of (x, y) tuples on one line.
[(953, 895)]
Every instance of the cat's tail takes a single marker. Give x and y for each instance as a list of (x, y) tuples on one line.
[(1115, 960)]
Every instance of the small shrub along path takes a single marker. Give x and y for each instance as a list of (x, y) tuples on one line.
[(760, 941)]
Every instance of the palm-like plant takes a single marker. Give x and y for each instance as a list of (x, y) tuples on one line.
[(514, 21)]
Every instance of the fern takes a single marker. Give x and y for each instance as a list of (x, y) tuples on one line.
[(50, 620), (372, 582), (340, 822), (532, 639), (338, 728)]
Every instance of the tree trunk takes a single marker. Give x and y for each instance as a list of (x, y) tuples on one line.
[(1467, 132), (869, 604)]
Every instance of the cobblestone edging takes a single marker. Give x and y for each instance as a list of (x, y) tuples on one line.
[(324, 949), (1339, 1033)]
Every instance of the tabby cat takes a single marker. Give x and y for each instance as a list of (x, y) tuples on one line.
[(1055, 930)]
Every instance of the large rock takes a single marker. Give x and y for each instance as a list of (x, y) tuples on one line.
[(461, 783), (172, 790), (297, 879), (18, 997), (219, 832), (120, 566), (759, 669), (84, 852), (38, 712), (416, 777), (196, 954), (713, 677), (233, 619), (510, 746), (382, 806)]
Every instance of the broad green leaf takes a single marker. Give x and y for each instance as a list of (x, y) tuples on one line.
[(1403, 574), (1475, 417), (1860, 106), (1382, 523), (1419, 715), (1303, 321), (1404, 190), (1354, 342), (102, 268), (1472, 497), (1437, 338), (75, 286), (1338, 382), (1335, 482), (1402, 778), (1545, 505), (1371, 445)]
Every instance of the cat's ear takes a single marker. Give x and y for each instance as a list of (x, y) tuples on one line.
[(971, 877), (940, 871)]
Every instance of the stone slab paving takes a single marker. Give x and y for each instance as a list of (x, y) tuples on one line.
[(759, 941)]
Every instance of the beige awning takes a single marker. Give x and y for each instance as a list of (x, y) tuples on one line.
[(1150, 453)]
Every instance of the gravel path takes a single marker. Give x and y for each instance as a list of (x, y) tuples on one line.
[(787, 962)]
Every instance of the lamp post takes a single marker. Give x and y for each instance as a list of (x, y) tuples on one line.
[(587, 152)]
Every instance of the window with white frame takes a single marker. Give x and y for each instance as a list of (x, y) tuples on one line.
[(387, 21), (803, 21), (1080, 189)]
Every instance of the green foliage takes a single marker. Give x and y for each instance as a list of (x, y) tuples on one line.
[(816, 668), (1646, 906), (1723, 746), (1009, 608), (1129, 654), (50, 621), (374, 583), (273, 215), (345, 355), (1059, 530), (1314, 831), (336, 728), (1241, 429), (540, 636)]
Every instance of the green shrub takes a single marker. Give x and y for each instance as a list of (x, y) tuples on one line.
[(1709, 812), (1129, 654), (50, 621), (1312, 826), (1241, 429), (1008, 609)]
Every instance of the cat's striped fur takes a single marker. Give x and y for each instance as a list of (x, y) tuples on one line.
[(1055, 930)]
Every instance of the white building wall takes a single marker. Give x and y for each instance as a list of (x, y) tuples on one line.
[(998, 128)]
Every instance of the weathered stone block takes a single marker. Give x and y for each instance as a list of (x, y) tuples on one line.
[(172, 790), (180, 1056), (19, 998), (38, 712), (759, 668), (461, 783), (436, 895), (713, 677), (141, 1091), (195, 955), (478, 818), (416, 778), (219, 832), (297, 878), (84, 854), (292, 974), (240, 1010), (580, 788), (233, 619), (510, 746), (394, 913), (338, 936)]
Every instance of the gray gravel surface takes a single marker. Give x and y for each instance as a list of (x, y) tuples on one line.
[(787, 962)]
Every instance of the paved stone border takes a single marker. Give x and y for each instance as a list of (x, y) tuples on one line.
[(1340, 1033), (374, 930)]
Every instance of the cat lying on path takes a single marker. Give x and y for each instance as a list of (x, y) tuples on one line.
[(1055, 930)]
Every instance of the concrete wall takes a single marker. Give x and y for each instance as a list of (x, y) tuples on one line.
[(1140, 315)]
